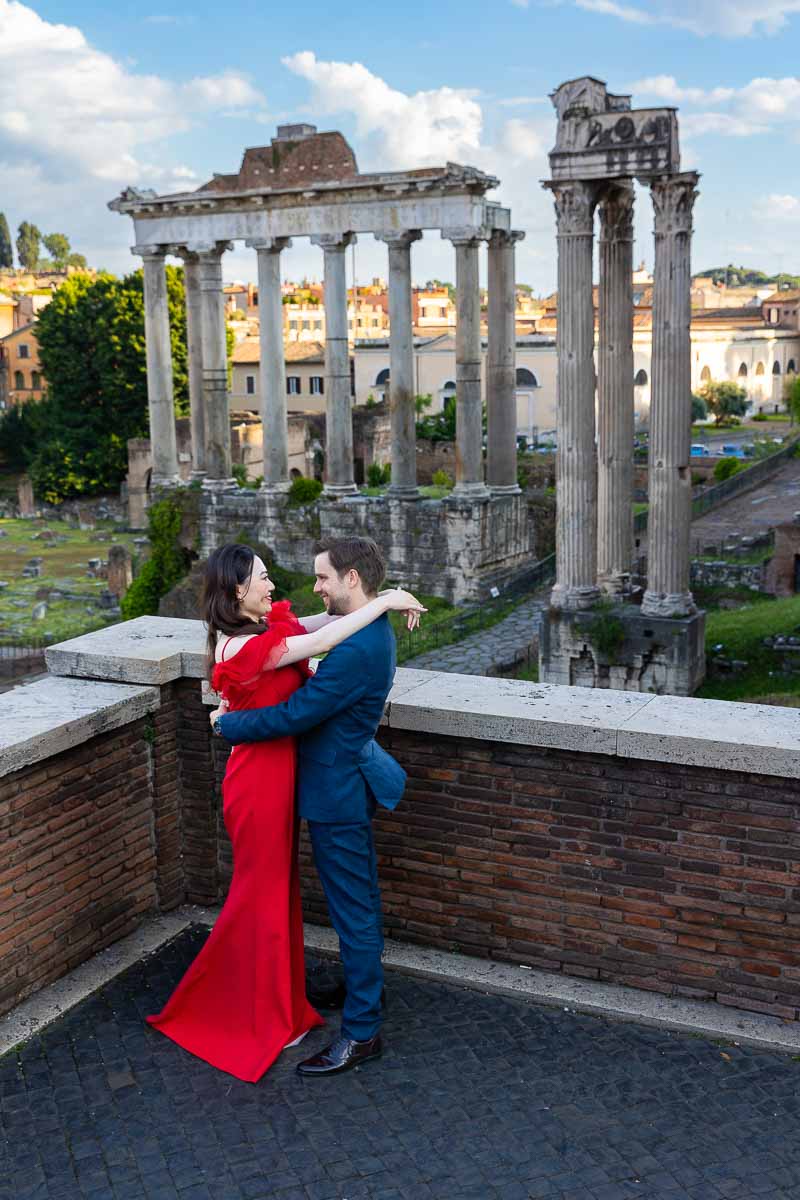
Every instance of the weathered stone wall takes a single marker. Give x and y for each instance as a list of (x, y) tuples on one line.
[(727, 574), (456, 549), (782, 569)]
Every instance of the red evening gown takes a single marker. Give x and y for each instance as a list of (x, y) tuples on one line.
[(243, 999)]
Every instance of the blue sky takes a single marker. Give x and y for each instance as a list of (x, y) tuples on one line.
[(161, 95)]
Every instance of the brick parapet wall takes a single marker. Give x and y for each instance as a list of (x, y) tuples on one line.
[(78, 869), (674, 879)]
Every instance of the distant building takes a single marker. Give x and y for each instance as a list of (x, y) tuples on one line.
[(781, 310), (305, 377), (20, 371)]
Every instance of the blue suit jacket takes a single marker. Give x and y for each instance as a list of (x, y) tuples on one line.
[(334, 717)]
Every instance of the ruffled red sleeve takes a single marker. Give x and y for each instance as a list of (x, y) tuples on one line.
[(262, 653)]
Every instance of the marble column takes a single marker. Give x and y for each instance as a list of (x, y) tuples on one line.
[(215, 366), (501, 366), (272, 371), (469, 404), (194, 352), (668, 592), (402, 411), (576, 459), (163, 446), (615, 392), (338, 401)]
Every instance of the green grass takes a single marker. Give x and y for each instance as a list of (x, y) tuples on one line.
[(63, 568), (428, 491), (741, 632)]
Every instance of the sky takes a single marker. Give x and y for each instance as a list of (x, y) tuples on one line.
[(95, 97)]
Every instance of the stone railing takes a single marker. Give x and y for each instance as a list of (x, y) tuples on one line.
[(647, 840)]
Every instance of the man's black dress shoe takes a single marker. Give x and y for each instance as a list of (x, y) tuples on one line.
[(341, 1055), (332, 997)]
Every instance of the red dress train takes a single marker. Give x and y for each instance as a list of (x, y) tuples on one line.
[(243, 999)]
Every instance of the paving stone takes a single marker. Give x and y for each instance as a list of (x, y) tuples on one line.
[(476, 1098)]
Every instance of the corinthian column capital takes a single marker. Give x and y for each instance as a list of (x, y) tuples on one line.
[(673, 202), (575, 204), (616, 214), (505, 237)]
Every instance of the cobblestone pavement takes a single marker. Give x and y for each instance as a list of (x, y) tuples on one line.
[(775, 501), (491, 650), (476, 1098)]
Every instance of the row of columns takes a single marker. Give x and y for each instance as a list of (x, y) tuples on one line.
[(594, 532), (207, 365)]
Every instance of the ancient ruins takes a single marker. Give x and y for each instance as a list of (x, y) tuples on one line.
[(307, 184), (602, 146)]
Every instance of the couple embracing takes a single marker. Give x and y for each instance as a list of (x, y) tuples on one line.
[(303, 746)]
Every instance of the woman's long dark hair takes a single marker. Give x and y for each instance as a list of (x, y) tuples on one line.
[(227, 568)]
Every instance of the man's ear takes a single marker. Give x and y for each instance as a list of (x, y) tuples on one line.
[(353, 578)]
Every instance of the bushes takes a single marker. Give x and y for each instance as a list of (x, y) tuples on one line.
[(725, 468), (379, 476), (304, 491), (167, 564), (441, 479)]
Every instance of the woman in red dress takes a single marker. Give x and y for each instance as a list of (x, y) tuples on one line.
[(243, 999)]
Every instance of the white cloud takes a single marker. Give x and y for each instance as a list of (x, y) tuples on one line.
[(423, 128), (72, 109), (755, 108), (777, 207), (724, 18)]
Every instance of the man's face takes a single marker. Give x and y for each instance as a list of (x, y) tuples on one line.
[(335, 593)]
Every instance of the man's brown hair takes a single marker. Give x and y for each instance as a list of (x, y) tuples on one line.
[(356, 554)]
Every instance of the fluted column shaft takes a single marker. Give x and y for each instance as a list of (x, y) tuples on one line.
[(338, 403), (469, 404), (501, 366), (401, 369), (272, 369), (615, 392), (215, 365), (194, 349), (668, 592), (163, 446), (576, 462)]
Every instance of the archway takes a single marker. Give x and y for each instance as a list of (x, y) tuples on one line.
[(743, 371), (640, 378), (527, 385), (705, 375)]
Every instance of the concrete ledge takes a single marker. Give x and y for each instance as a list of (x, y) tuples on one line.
[(577, 995), (50, 715), (707, 733), (147, 650)]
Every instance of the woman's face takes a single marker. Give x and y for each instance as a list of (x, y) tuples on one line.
[(255, 594)]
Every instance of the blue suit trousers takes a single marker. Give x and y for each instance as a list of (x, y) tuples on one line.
[(344, 856)]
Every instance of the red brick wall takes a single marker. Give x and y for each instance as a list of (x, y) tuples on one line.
[(78, 867), (677, 879)]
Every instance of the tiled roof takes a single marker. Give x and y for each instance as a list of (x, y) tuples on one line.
[(782, 296), (249, 351)]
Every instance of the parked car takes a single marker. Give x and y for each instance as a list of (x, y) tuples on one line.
[(733, 451), (698, 450)]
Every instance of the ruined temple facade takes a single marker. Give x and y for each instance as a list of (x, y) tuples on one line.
[(592, 635)]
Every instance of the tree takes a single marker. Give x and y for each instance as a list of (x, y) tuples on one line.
[(699, 410), (724, 400), (6, 248), (28, 241), (58, 247), (76, 260), (92, 349), (793, 399)]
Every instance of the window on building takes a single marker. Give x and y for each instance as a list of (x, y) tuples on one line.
[(640, 378), (36, 380), (376, 322), (776, 368), (526, 378), (19, 380), (24, 350), (790, 367), (443, 310), (382, 378), (743, 371), (760, 369), (705, 375), (306, 324), (250, 385), (293, 385), (773, 316), (317, 385)]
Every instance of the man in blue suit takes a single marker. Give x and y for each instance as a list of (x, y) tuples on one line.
[(342, 773)]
